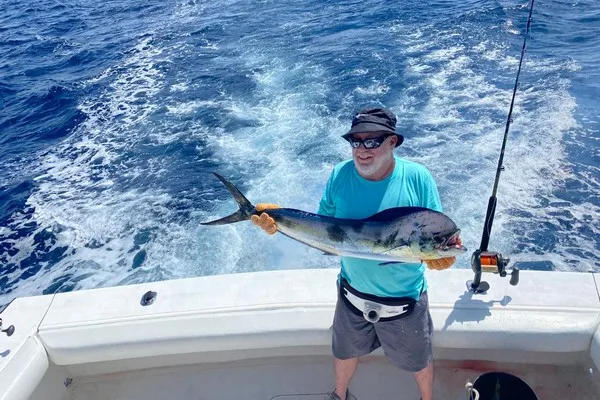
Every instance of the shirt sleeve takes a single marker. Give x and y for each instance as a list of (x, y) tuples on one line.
[(327, 203), (430, 197)]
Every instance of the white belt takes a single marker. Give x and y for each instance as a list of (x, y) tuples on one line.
[(373, 311)]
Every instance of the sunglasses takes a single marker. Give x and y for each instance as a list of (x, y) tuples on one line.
[(371, 143)]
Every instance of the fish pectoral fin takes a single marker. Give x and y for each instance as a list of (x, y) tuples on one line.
[(392, 262)]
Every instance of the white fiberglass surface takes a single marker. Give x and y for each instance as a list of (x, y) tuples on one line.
[(310, 378)]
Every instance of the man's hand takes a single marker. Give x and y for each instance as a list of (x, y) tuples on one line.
[(441, 263), (264, 221)]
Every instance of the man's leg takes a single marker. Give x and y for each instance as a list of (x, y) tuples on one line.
[(352, 337), (344, 371), (424, 380), (407, 344)]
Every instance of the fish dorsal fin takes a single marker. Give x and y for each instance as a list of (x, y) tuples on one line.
[(393, 213)]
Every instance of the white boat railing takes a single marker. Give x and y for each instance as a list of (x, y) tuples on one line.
[(550, 317)]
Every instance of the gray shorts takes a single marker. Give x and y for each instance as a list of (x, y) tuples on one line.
[(406, 341)]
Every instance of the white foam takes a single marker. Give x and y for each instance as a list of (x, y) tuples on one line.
[(187, 107), (179, 87), (76, 191), (376, 88), (359, 71), (463, 150), (510, 28)]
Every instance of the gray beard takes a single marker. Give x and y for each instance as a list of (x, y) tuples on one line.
[(376, 166)]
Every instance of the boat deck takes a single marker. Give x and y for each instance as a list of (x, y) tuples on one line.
[(311, 377)]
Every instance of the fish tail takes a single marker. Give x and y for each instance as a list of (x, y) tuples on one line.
[(246, 209)]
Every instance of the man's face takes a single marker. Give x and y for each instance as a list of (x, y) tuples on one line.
[(370, 162)]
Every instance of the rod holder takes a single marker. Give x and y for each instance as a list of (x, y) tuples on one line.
[(9, 331)]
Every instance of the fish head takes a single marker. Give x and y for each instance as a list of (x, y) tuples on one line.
[(438, 245), (449, 244)]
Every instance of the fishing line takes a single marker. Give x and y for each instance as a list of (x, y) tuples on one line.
[(483, 260), (489, 218)]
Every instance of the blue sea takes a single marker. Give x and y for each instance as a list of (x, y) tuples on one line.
[(114, 114)]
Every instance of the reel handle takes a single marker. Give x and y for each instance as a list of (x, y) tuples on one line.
[(514, 276)]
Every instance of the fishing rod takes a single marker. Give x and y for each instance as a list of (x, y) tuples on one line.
[(483, 260)]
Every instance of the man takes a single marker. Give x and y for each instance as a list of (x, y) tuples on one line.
[(375, 180)]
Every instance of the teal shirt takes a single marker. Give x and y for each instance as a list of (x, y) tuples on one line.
[(348, 195)]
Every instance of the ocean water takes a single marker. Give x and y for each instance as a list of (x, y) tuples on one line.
[(113, 116)]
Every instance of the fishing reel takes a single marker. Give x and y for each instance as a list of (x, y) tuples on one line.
[(489, 261)]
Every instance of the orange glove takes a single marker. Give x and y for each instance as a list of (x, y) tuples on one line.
[(440, 263), (443, 263), (264, 221)]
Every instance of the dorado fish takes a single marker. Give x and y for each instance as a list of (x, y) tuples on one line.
[(395, 235)]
